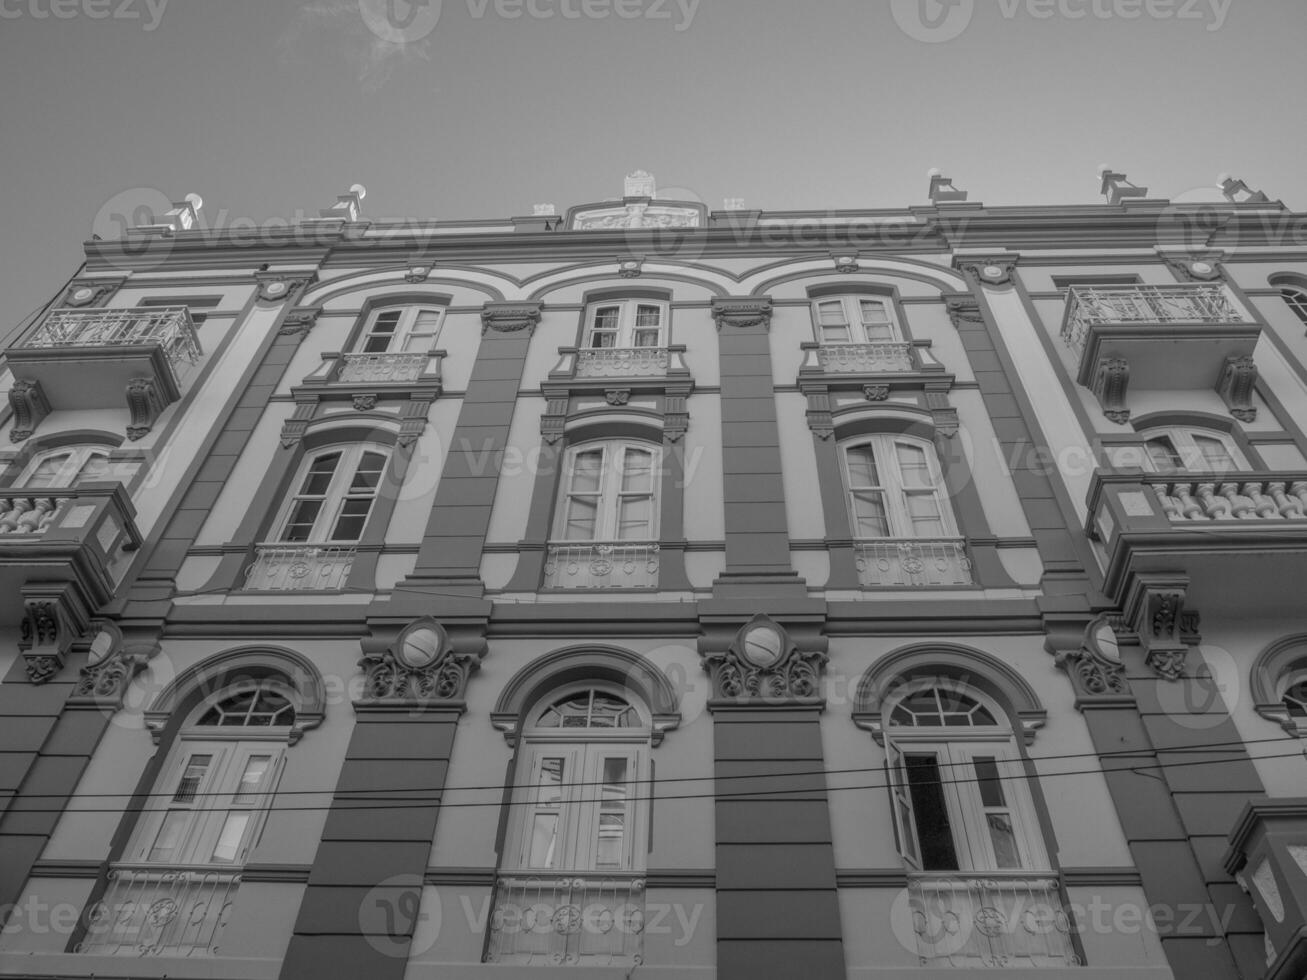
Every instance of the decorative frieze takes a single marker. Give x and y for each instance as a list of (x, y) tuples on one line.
[(989, 270), (742, 311), (422, 667), (275, 287), (764, 663), (875, 393), (510, 317)]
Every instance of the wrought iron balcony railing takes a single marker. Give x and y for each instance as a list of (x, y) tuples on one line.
[(622, 362), (990, 919), (601, 565), (1195, 303), (580, 919), (153, 911), (383, 368), (169, 328), (912, 562), (879, 358), (300, 568)]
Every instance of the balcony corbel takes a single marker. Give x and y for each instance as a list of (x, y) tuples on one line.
[(1235, 385), (30, 405)]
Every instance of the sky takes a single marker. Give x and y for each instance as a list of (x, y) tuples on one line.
[(452, 109)]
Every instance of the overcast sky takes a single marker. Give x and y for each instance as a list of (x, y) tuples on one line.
[(266, 107)]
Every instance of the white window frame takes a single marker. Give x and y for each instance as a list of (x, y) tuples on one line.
[(610, 494), (406, 337), (956, 750), (892, 489), (627, 330), (1184, 439), (334, 498), (856, 328), (216, 797), (1295, 297), (69, 474), (583, 751)]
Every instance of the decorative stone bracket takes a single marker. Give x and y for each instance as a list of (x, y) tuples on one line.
[(1155, 610), (762, 663), (145, 402), (510, 317), (1236, 384), (276, 287), (963, 308), (742, 311), (299, 321), (112, 663), (989, 270), (90, 292), (1111, 380), (1093, 664), (424, 667), (56, 616), (30, 405)]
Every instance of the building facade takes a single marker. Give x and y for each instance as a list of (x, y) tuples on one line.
[(650, 591)]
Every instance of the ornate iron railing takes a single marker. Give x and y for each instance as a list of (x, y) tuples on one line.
[(27, 513), (878, 358), (170, 327), (1231, 497), (297, 568), (601, 565), (912, 561), (1090, 306), (622, 362), (989, 919), (151, 911), (567, 920), (383, 368)]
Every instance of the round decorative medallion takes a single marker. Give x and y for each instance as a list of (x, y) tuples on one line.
[(1202, 268), (420, 648), (762, 646), (274, 289), (990, 921), (83, 295), (101, 648), (994, 272)]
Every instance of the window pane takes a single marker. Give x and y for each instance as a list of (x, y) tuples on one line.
[(987, 778), (169, 839), (913, 465), (549, 782), (353, 517), (1003, 837), (47, 472), (368, 475), (95, 468), (229, 841), (637, 472), (582, 513), (318, 479), (300, 525), (1163, 454), (605, 339), (646, 338), (869, 518), (1216, 458), (875, 311), (606, 318), (930, 814), (862, 467), (544, 841), (587, 471), (830, 313), (923, 511), (192, 776), (612, 832), (648, 316), (614, 780), (386, 321), (635, 519), (255, 769)]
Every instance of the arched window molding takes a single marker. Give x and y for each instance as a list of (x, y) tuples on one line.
[(949, 663), (277, 666), (1278, 669), (1293, 291), (626, 670)]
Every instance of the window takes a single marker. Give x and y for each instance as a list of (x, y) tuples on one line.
[(894, 487), (610, 493), (959, 792), (65, 468), (855, 320), (1174, 450), (333, 496), (578, 831), (1296, 299), (626, 323), (402, 330)]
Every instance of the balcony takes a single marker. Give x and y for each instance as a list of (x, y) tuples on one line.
[(1268, 857), (1171, 337), (912, 562), (95, 359), (409, 368), (620, 363), (151, 911), (886, 357), (300, 568), (601, 565), (561, 920), (1240, 539), (74, 534), (992, 919)]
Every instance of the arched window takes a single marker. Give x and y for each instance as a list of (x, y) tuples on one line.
[(1296, 299), (626, 323), (333, 494), (1186, 449), (578, 831), (401, 330), (65, 467), (960, 795), (855, 319)]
